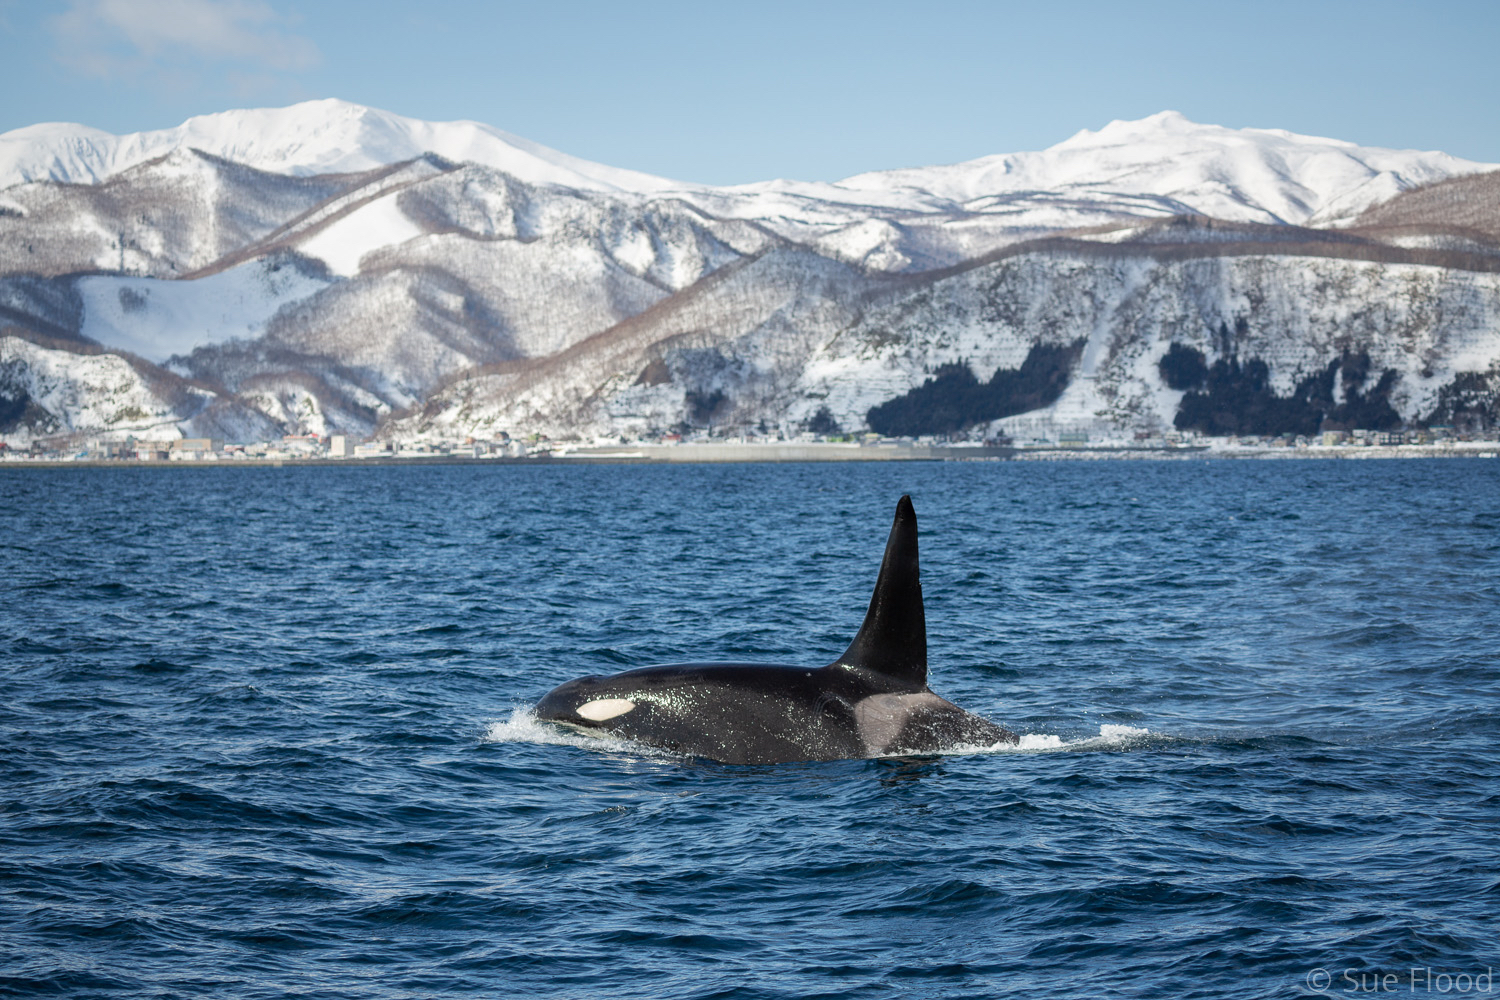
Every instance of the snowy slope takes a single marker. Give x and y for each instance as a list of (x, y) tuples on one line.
[(157, 319)]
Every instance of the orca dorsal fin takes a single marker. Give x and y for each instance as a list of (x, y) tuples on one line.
[(893, 639)]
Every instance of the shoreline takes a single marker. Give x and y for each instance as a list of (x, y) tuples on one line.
[(809, 452)]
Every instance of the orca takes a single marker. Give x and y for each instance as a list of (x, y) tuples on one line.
[(873, 701)]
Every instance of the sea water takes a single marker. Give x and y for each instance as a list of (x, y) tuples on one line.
[(265, 733)]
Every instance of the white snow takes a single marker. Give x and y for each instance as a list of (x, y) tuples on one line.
[(379, 224), (157, 319)]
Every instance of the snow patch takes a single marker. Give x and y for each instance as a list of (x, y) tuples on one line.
[(371, 227), (157, 319)]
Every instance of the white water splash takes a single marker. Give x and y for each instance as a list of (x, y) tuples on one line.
[(1110, 737), (524, 727)]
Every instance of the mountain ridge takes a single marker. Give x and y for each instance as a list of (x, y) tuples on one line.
[(327, 136), (332, 136)]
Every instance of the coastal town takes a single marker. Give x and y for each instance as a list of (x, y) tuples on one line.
[(1433, 442)]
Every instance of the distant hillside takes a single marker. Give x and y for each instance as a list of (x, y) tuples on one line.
[(1469, 205)]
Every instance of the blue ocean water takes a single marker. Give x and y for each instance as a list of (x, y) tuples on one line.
[(263, 733)]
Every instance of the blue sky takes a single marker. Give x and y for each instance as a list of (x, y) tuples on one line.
[(728, 93)]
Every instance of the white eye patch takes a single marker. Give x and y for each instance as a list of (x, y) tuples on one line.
[(605, 708)]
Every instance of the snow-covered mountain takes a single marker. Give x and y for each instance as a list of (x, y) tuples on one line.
[(332, 267), (315, 137), (1162, 165)]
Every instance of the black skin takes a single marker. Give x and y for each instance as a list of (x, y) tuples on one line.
[(873, 701), (735, 713), (761, 713)]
